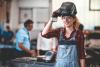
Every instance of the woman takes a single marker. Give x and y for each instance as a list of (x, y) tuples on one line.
[(70, 39)]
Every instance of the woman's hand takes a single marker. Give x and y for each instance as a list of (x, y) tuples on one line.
[(82, 62)]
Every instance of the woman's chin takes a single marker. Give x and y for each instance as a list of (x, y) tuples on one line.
[(67, 25)]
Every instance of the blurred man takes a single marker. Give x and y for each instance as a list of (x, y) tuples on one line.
[(8, 35), (23, 40)]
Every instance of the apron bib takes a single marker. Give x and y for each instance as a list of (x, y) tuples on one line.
[(67, 52)]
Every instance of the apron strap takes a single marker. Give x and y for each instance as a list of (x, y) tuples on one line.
[(61, 35)]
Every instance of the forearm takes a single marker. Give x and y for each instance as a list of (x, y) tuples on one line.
[(23, 48), (47, 27), (82, 63)]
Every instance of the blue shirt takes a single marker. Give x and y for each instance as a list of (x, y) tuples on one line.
[(22, 36)]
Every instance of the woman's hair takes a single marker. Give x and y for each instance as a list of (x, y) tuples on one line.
[(68, 9), (81, 27), (76, 23)]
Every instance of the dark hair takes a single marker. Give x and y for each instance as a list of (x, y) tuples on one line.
[(81, 27), (28, 22), (7, 27), (67, 9)]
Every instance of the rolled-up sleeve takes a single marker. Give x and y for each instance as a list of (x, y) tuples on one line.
[(20, 37), (52, 33)]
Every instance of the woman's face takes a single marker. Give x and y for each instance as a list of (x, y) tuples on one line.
[(68, 21)]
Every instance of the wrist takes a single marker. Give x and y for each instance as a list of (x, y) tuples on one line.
[(28, 51), (51, 20)]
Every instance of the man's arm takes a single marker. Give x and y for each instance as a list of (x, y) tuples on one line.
[(31, 52)]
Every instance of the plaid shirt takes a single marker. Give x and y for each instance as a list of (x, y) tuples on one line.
[(79, 37)]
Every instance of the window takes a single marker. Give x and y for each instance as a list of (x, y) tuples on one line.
[(94, 5), (24, 14), (41, 15)]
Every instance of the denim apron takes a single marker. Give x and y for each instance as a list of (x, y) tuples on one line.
[(67, 52)]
